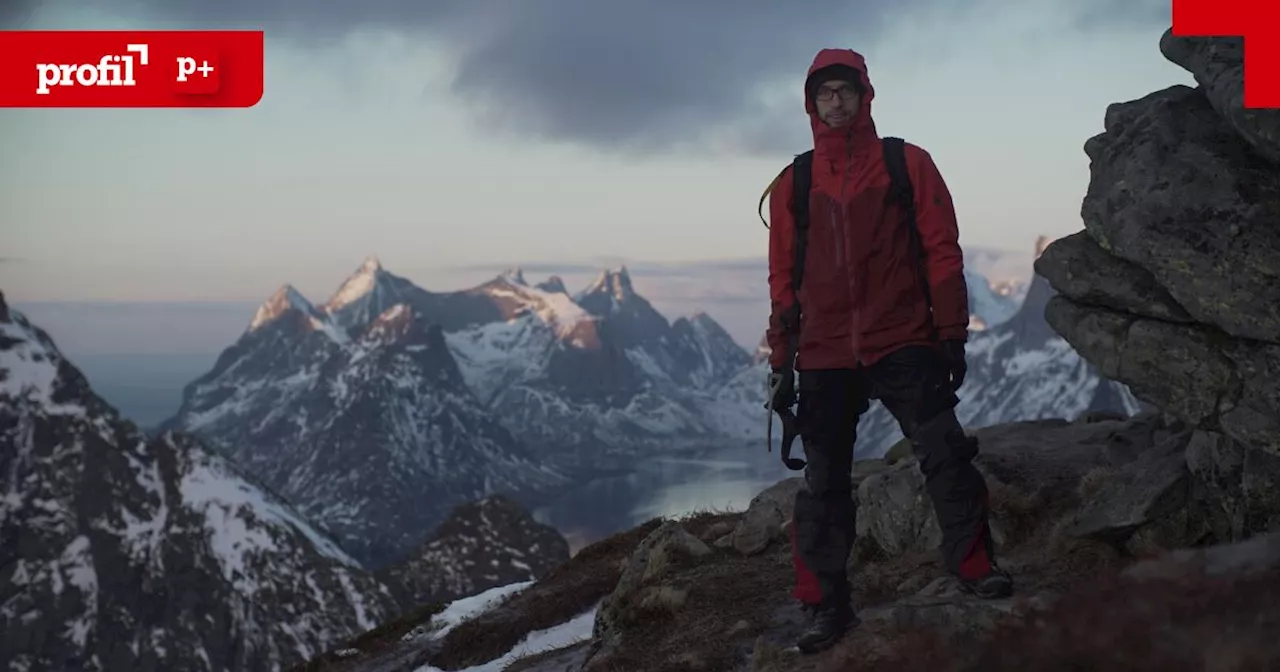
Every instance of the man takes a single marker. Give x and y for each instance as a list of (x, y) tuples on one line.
[(875, 320)]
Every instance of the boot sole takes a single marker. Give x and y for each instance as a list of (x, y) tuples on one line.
[(1002, 593), (824, 644), (821, 645)]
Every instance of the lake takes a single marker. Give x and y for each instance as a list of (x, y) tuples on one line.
[(663, 486)]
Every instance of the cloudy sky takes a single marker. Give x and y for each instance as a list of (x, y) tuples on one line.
[(455, 137)]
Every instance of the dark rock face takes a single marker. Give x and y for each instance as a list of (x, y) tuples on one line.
[(1178, 192), (122, 552), (481, 545), (1174, 287), (1218, 66)]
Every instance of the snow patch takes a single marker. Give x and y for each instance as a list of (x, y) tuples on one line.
[(229, 504), (29, 366), (462, 610), (573, 631)]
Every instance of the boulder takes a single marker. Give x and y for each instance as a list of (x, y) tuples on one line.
[(1146, 498), (766, 516), (639, 592), (895, 510)]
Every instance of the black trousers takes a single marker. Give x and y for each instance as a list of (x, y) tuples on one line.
[(913, 384)]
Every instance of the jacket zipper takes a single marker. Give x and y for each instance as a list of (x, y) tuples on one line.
[(841, 239)]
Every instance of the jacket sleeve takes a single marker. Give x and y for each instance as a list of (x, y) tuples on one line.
[(781, 257), (944, 260)]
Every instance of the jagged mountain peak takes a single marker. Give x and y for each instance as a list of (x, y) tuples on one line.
[(371, 291), (515, 276), (762, 352), (703, 319), (1042, 242), (1028, 324), (553, 285), (614, 282), (360, 284), (285, 299), (701, 323)]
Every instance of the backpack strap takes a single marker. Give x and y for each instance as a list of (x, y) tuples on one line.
[(801, 181), (902, 194)]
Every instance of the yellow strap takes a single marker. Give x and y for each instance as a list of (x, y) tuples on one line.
[(768, 190)]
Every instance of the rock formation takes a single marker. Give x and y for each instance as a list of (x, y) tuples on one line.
[(1174, 285)]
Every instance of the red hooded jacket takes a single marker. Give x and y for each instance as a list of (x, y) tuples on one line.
[(863, 294)]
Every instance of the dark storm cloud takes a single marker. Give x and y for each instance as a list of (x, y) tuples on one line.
[(628, 75), (640, 76)]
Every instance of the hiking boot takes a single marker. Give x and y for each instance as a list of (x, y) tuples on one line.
[(828, 626), (995, 585)]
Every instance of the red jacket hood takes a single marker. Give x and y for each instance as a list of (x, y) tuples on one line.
[(862, 126)]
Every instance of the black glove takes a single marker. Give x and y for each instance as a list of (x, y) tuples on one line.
[(783, 383), (953, 352)]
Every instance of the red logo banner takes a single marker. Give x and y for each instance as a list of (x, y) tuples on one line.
[(1258, 22), (147, 68)]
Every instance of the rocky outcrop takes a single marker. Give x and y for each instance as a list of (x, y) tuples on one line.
[(481, 545), (644, 590), (1174, 285)]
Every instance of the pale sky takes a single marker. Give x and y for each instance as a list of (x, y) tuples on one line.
[(484, 134)]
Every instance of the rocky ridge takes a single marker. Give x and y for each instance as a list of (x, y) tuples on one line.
[(481, 545), (1080, 509)]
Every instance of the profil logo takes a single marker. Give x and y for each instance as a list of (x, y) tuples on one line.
[(170, 68), (1258, 22), (110, 70)]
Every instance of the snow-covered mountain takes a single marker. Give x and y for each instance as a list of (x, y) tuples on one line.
[(1019, 369), (123, 552), (481, 545), (987, 308), (594, 378), (370, 428), (381, 409)]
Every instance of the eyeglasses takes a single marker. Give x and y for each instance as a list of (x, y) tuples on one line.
[(846, 93)]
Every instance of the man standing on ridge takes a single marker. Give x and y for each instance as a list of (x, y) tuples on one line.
[(881, 312)]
